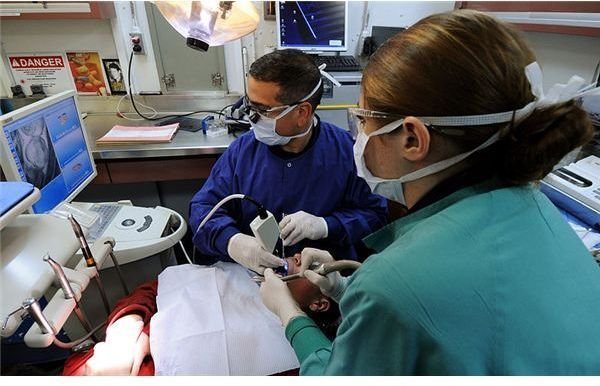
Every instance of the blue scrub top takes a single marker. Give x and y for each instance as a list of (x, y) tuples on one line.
[(321, 180)]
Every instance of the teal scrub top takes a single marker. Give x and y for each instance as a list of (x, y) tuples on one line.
[(482, 282)]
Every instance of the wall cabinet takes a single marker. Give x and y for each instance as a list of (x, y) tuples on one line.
[(567, 17), (55, 10)]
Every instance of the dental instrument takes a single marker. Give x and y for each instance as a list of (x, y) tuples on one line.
[(322, 269), (89, 260), (68, 292)]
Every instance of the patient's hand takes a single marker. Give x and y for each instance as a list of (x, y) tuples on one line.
[(123, 351)]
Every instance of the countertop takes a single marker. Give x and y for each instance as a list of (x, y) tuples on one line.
[(184, 143)]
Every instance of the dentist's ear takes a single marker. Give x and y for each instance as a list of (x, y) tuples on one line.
[(415, 139), (304, 114)]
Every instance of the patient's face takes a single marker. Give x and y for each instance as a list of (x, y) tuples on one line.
[(303, 291)]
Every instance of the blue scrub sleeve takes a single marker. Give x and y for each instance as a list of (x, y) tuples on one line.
[(362, 212), (213, 237)]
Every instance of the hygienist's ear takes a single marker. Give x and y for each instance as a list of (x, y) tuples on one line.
[(321, 304), (415, 139)]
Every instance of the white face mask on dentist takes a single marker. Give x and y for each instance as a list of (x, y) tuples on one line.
[(264, 127), (393, 188)]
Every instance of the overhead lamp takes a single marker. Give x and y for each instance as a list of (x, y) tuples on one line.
[(210, 23)]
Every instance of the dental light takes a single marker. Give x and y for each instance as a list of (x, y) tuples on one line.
[(210, 23)]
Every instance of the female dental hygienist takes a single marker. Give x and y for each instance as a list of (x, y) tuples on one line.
[(483, 276)]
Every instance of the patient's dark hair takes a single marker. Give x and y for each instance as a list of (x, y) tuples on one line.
[(294, 71), (328, 321)]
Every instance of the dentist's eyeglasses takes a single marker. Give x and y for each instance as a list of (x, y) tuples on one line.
[(254, 112)]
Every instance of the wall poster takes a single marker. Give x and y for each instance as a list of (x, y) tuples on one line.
[(86, 69)]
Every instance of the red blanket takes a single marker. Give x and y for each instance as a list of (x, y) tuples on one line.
[(141, 301)]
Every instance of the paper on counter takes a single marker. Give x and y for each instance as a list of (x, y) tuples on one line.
[(124, 134)]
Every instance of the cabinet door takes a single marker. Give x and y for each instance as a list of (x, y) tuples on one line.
[(566, 17), (63, 10), (191, 70)]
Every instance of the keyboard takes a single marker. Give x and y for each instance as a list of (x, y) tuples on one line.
[(107, 213), (338, 63)]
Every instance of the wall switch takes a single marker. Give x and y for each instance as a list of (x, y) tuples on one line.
[(136, 43)]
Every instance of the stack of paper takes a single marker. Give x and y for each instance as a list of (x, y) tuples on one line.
[(139, 134)]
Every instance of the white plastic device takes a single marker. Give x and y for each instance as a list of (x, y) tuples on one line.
[(266, 231), (580, 180)]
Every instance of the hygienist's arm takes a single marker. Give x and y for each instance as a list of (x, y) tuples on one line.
[(309, 343), (213, 237), (369, 332)]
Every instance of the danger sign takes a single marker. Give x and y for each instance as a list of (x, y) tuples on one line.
[(47, 70), (36, 61)]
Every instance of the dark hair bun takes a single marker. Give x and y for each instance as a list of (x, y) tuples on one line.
[(535, 145)]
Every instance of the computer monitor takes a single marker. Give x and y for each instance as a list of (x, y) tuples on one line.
[(45, 144), (312, 25)]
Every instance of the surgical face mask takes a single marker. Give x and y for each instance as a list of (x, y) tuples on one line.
[(393, 188), (264, 127), (264, 130)]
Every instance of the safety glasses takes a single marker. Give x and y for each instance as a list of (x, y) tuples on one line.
[(356, 118)]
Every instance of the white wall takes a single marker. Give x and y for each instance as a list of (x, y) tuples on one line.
[(20, 36), (48, 36), (561, 56), (145, 76), (403, 13)]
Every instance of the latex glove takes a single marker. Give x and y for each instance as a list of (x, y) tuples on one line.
[(333, 284), (277, 297), (301, 225), (247, 251), (123, 351)]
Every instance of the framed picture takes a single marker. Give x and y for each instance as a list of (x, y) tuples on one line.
[(114, 74), (269, 8), (87, 73)]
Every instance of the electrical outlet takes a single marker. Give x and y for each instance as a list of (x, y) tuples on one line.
[(137, 45)]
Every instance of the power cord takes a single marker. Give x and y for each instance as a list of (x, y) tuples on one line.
[(154, 118), (262, 212)]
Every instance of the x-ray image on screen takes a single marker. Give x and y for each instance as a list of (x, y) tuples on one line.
[(35, 150)]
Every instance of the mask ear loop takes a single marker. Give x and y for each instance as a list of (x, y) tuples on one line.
[(512, 126)]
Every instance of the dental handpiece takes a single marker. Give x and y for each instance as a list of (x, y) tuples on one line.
[(85, 248), (62, 278), (68, 291), (89, 259), (32, 306)]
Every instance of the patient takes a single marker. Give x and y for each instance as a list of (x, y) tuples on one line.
[(126, 349)]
